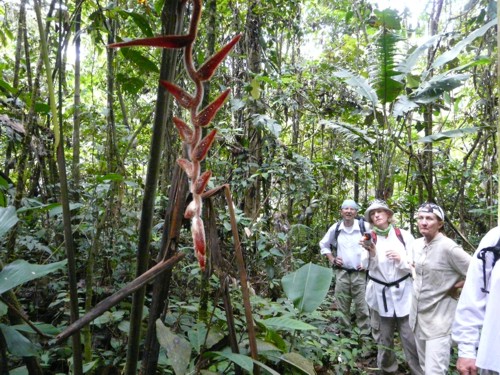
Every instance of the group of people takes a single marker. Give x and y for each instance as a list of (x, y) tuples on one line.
[(396, 282)]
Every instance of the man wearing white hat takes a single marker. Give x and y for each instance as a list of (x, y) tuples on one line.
[(350, 264)]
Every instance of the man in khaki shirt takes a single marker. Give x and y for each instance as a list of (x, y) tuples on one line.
[(440, 268)]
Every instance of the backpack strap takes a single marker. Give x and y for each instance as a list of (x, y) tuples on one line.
[(361, 222), (336, 233), (335, 236), (495, 250), (400, 236)]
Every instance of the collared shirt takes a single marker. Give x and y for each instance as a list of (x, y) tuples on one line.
[(477, 319), (397, 298), (348, 248), (439, 265)]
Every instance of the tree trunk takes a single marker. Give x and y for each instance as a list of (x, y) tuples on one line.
[(75, 170), (252, 198), (172, 16)]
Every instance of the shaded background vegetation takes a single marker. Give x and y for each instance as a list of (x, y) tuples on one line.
[(329, 100)]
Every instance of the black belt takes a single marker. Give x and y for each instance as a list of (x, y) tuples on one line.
[(388, 285)]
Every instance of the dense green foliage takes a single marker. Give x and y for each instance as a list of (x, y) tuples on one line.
[(329, 100)]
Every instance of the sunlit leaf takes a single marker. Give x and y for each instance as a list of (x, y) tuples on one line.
[(8, 218), (455, 51), (433, 89), (307, 287), (456, 133), (297, 360), (287, 324), (19, 272), (177, 347)]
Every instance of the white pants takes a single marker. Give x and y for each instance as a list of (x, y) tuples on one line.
[(434, 354)]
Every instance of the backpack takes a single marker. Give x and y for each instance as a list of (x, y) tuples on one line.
[(495, 250), (361, 222), (398, 234)]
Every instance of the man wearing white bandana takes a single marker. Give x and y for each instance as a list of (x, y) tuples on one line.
[(440, 268), (349, 264), (477, 322), (388, 292)]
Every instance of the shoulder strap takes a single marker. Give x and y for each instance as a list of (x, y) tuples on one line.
[(361, 223), (495, 250), (400, 236), (337, 231)]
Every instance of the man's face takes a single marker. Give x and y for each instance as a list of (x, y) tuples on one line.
[(348, 213)]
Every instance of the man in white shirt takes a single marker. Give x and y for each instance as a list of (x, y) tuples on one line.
[(350, 264), (477, 319)]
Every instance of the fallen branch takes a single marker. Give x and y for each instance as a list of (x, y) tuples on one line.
[(117, 297)]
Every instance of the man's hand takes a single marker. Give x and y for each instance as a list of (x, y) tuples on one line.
[(454, 292), (339, 262), (466, 366)]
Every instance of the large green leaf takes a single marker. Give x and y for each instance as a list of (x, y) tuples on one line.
[(403, 105), (141, 21), (359, 84), (348, 131), (177, 347), (18, 344), (245, 362), (407, 65), (384, 77), (8, 218), (438, 85), (287, 324), (19, 272), (300, 362), (455, 51), (308, 286), (456, 133), (143, 63), (199, 336), (387, 19)]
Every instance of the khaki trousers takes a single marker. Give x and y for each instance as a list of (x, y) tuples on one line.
[(434, 354), (383, 329), (350, 291)]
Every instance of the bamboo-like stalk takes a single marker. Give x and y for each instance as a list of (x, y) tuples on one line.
[(61, 163)]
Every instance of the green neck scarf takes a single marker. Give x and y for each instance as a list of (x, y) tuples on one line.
[(383, 232)]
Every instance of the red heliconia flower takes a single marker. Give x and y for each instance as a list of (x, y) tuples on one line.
[(206, 71), (199, 242), (201, 149), (202, 181), (190, 210), (201, 261), (186, 166), (182, 97), (208, 113), (185, 132), (163, 41)]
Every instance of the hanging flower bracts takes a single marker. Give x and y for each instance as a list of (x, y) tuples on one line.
[(191, 135)]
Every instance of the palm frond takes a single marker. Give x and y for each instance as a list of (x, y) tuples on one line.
[(384, 77), (348, 131)]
